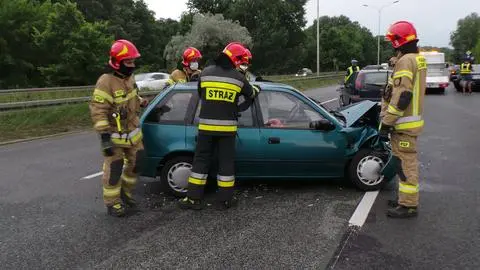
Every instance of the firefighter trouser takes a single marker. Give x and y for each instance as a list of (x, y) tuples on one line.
[(204, 152), (120, 173), (405, 148)]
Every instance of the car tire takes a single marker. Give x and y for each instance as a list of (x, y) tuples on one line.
[(174, 175), (363, 168)]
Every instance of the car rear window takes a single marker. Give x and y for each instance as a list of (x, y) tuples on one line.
[(377, 78)]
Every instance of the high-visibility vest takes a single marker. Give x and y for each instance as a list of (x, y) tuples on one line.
[(465, 68), (350, 72)]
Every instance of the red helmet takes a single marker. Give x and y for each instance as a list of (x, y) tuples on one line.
[(237, 53), (401, 33), (122, 49), (189, 55), (249, 55)]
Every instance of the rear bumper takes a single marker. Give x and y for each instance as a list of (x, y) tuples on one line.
[(357, 98), (437, 84)]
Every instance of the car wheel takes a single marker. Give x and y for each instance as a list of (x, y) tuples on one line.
[(364, 170), (174, 175)]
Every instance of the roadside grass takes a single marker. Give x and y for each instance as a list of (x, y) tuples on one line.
[(43, 95), (21, 124), (35, 122)]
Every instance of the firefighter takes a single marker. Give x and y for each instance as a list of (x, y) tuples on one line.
[(219, 87), (401, 116), (114, 109), (190, 67), (352, 69), (466, 74)]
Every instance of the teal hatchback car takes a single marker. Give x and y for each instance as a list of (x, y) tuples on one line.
[(284, 135)]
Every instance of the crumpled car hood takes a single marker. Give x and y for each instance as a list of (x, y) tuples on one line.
[(355, 111)]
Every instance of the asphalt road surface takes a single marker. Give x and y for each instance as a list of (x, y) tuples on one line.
[(52, 217)]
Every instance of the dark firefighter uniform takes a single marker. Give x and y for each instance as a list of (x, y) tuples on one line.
[(219, 89), (402, 108), (114, 110)]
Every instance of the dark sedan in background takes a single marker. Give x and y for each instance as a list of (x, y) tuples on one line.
[(364, 85)]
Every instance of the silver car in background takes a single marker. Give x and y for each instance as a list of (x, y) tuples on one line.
[(151, 81)]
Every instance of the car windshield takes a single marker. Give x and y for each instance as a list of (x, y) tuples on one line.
[(376, 78), (140, 77)]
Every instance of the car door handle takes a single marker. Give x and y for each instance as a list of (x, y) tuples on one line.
[(274, 140)]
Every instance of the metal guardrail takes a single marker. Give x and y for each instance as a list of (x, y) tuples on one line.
[(53, 102), (47, 89), (62, 101)]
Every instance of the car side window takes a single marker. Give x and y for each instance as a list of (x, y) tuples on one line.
[(174, 110), (158, 77), (245, 118), (282, 110)]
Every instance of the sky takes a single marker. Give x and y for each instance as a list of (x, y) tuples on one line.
[(434, 21)]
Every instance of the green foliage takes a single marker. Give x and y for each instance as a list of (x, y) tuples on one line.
[(209, 34), (71, 47), (466, 36)]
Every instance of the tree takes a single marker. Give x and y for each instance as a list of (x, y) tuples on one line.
[(466, 35), (74, 51), (18, 58), (341, 40), (209, 34), (275, 26)]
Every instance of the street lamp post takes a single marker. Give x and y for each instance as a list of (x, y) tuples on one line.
[(379, 16), (318, 38)]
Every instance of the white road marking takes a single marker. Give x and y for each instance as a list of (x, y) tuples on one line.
[(328, 101), (91, 176), (360, 215)]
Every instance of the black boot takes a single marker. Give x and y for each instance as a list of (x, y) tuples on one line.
[(392, 203), (129, 200), (402, 212), (116, 210), (187, 203), (224, 205)]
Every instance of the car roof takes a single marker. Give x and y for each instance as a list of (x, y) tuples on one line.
[(262, 84), (375, 70)]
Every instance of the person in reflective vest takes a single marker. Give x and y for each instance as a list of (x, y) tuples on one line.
[(190, 67), (113, 109), (402, 115), (466, 75), (352, 69), (219, 88)]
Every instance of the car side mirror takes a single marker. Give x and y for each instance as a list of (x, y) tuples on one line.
[(322, 124)]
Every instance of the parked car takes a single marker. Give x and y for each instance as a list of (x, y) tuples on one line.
[(285, 134), (376, 67), (458, 82), (364, 85), (304, 72), (151, 81)]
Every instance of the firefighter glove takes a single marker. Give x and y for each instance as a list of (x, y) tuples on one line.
[(107, 145), (384, 132)]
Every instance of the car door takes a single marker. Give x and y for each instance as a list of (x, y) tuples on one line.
[(164, 126), (290, 147), (247, 141)]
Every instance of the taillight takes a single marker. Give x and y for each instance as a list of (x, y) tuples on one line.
[(358, 81)]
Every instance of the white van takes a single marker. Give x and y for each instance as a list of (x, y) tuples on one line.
[(437, 71)]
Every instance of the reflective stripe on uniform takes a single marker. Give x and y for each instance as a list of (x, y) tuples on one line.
[(129, 96), (112, 192), (225, 181), (407, 188), (102, 94), (221, 85), (391, 109), (223, 79), (403, 73), (102, 123), (127, 139), (198, 175), (217, 125), (129, 179), (217, 128), (217, 122), (196, 181), (409, 125)]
